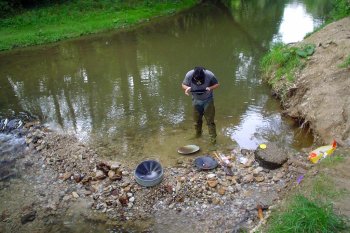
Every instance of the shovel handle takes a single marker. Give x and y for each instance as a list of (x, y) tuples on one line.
[(217, 156)]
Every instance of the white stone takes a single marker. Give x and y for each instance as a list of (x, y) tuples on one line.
[(115, 166), (75, 194), (211, 176)]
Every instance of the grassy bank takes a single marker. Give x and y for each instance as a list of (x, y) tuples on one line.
[(282, 62), (75, 18), (310, 208)]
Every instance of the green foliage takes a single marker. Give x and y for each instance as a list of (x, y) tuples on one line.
[(308, 216), (306, 51), (346, 63), (284, 61), (341, 9), (332, 160), (11, 7), (79, 17)]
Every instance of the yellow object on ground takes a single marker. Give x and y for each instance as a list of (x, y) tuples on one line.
[(262, 146), (322, 152)]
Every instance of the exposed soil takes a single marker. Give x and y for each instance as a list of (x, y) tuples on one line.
[(341, 178), (321, 94)]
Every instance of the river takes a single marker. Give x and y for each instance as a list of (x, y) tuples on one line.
[(120, 91)]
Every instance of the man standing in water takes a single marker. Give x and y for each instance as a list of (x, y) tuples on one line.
[(201, 83)]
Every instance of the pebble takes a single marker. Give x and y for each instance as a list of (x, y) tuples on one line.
[(212, 183), (66, 175), (222, 191), (259, 178), (100, 175), (257, 170), (115, 166), (75, 194), (211, 176), (249, 178)]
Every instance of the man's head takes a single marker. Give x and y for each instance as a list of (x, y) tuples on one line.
[(198, 75)]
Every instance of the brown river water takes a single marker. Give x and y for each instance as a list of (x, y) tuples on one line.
[(121, 91)]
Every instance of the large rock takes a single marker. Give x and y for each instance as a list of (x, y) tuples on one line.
[(28, 216), (271, 157)]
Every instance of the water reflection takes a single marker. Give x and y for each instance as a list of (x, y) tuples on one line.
[(121, 91), (296, 23)]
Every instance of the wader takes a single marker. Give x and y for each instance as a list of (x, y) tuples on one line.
[(204, 108)]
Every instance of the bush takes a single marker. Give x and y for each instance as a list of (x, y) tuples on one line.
[(341, 9)]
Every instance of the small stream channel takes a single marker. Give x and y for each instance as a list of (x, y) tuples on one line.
[(120, 91)]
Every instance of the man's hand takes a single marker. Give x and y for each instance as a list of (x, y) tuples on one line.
[(208, 89), (187, 91)]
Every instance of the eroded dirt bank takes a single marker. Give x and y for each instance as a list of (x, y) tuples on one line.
[(321, 93)]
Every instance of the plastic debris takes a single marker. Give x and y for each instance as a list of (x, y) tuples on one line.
[(300, 178), (322, 152)]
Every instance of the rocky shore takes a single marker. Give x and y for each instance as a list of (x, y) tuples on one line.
[(63, 172)]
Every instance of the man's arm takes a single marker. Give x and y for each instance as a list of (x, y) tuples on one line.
[(213, 87), (186, 88)]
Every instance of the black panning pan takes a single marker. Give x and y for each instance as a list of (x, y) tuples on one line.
[(198, 91), (205, 163)]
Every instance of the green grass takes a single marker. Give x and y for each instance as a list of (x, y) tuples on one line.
[(310, 209), (307, 216), (341, 9), (282, 62), (323, 187), (332, 160), (346, 63), (76, 18)]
